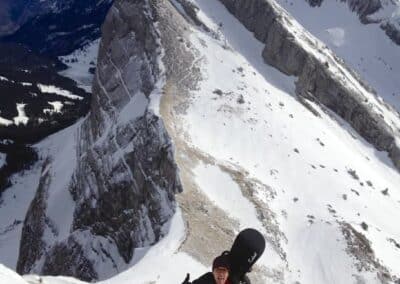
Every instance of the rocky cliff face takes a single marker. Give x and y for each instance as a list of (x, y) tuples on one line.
[(392, 29), (125, 178), (322, 77), (366, 9), (362, 7)]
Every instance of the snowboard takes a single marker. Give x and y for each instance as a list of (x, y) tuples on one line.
[(247, 248)]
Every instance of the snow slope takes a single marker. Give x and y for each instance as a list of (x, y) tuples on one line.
[(325, 199), (161, 263), (13, 206), (59, 148), (9, 276), (79, 63), (365, 48), (244, 115), (17, 198)]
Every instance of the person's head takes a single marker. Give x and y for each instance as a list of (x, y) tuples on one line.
[(220, 269)]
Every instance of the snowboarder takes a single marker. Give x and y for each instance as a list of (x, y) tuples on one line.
[(219, 274), (247, 248)]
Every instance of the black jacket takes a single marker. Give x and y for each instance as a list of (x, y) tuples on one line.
[(208, 278), (242, 280)]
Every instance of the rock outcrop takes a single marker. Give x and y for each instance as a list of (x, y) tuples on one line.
[(125, 179), (392, 30), (327, 81), (365, 9), (362, 7)]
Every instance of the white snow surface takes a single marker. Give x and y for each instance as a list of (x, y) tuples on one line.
[(225, 193), (60, 149), (365, 48), (161, 264), (56, 107), (5, 122), (258, 126), (305, 159), (15, 202), (78, 64), (58, 91), (9, 276), (21, 118)]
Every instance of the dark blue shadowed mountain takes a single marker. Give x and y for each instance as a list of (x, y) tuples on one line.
[(65, 27)]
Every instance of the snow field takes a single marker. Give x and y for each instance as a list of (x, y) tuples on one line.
[(365, 48), (56, 107), (9, 276), (16, 201), (162, 263), (60, 150), (79, 63), (306, 159), (5, 122), (226, 194), (58, 91), (21, 118)]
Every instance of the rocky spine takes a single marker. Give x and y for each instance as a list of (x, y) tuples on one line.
[(126, 177)]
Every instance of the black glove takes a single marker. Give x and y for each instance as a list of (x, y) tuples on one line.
[(186, 281)]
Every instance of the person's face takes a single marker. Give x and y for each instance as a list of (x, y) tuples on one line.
[(220, 275)]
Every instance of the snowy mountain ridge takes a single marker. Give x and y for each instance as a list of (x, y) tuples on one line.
[(382, 12), (321, 75), (183, 99)]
